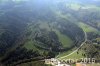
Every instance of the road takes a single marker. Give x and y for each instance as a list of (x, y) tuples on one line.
[(77, 48)]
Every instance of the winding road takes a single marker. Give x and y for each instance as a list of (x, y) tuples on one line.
[(77, 48)]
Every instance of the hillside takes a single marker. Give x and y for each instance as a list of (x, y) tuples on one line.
[(35, 30)]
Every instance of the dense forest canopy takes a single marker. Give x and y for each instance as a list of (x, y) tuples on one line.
[(38, 29)]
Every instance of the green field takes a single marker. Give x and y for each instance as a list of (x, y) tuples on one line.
[(65, 53), (86, 27), (65, 40), (29, 45), (75, 6), (60, 15), (45, 25), (91, 7), (76, 55)]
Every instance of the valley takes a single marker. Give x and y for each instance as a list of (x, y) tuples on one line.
[(32, 31)]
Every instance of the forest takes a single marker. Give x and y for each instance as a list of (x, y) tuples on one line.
[(38, 30)]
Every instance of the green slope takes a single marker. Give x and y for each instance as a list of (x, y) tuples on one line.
[(65, 40), (87, 28)]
